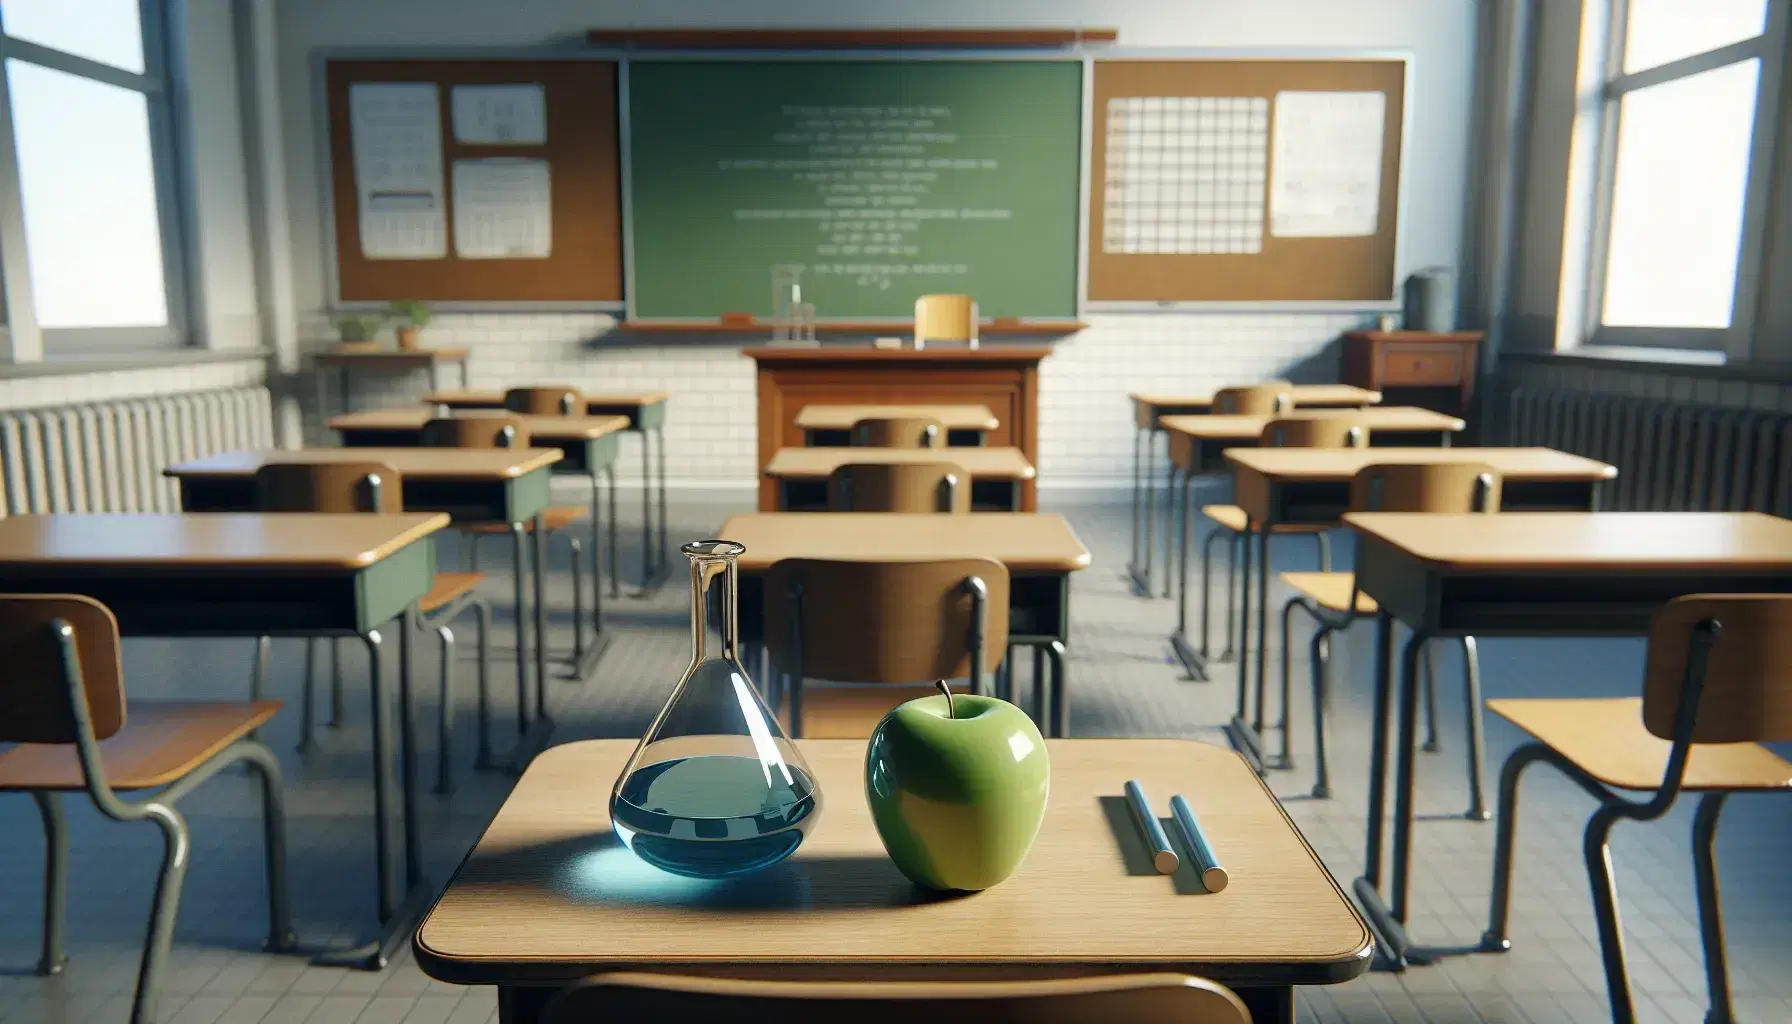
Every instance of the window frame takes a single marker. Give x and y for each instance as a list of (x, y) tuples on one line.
[(1737, 340), (24, 340)]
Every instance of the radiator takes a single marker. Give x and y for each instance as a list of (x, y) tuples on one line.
[(1671, 455), (109, 456)]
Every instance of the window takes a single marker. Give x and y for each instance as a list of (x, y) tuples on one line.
[(97, 235), (1685, 132)]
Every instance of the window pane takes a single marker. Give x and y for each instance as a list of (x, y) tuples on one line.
[(92, 237), (1683, 153), (109, 31), (1659, 31)]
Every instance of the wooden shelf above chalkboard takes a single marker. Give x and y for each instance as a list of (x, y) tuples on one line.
[(832, 38), (742, 325)]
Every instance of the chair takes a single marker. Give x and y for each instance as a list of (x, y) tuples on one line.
[(898, 622), (1334, 601), (945, 318), (897, 432), (65, 706), (545, 400), (509, 430), (903, 487), (1268, 398), (687, 1000), (1339, 431), (377, 487), (1717, 684)]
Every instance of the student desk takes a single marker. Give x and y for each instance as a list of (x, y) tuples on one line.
[(262, 574), (1553, 574), (550, 896), (588, 445), (831, 425), (997, 474), (349, 360), (1040, 551), (1148, 411), (646, 412), (492, 485), (1312, 485)]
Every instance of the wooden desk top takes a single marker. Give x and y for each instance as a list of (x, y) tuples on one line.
[(549, 428), (982, 462), (1023, 541), (594, 401), (388, 358), (842, 417), (1343, 396), (270, 540), (1588, 541), (420, 463), (1390, 417), (943, 352), (1343, 463), (550, 894)]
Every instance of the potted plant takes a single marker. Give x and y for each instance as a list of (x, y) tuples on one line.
[(358, 329), (412, 316)]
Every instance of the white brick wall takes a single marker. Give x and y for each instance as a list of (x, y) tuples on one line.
[(1085, 431), (76, 387)]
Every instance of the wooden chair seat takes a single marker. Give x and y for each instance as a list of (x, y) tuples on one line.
[(160, 744), (1606, 738), (1330, 590), (847, 712), (447, 588), (558, 517), (1233, 518)]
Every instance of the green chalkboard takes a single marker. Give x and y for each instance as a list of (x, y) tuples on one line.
[(883, 179)]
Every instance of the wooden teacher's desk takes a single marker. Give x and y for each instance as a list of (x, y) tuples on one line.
[(550, 896), (1001, 377)]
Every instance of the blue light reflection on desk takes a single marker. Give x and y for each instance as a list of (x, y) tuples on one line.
[(604, 871)]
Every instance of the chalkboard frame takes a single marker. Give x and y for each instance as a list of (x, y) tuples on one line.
[(1080, 56)]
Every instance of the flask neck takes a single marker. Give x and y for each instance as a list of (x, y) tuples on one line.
[(716, 575)]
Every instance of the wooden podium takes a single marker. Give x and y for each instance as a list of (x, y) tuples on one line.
[(1003, 377)]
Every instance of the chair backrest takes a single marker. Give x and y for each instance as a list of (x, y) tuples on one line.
[(898, 432), (546, 400), (1746, 678), (1265, 399), (1342, 431), (945, 318), (1443, 487), (34, 687), (503, 430), (899, 487), (329, 487), (884, 621), (683, 1000)]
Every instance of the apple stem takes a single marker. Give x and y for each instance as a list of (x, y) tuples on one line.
[(947, 690)]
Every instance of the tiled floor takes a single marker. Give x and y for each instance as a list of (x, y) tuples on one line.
[(1123, 685)]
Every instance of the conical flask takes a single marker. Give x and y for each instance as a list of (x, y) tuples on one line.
[(714, 789)]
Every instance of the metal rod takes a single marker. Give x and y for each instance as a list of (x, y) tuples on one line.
[(1163, 857), (1213, 876)]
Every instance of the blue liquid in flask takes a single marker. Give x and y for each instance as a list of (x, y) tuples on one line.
[(714, 816)]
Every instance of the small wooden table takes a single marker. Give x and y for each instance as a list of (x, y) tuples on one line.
[(347, 361), (1148, 411), (1276, 486), (550, 896), (589, 446), (997, 474), (491, 485), (646, 412), (263, 574), (1040, 551), (830, 426), (1545, 574)]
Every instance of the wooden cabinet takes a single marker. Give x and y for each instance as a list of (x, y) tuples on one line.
[(1003, 377), (1423, 368)]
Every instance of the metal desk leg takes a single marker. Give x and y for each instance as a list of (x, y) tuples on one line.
[(1389, 951), (1193, 662), (1141, 576), (615, 557), (1132, 557), (1060, 689), (1262, 639), (659, 553), (647, 561), (407, 751), (1245, 739), (1041, 692), (600, 640), (538, 553), (1169, 506), (1393, 947)]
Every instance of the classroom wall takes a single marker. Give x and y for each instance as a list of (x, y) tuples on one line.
[(1085, 431)]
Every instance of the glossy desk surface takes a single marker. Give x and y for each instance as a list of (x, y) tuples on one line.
[(1587, 541), (274, 540), (981, 462), (596, 401), (422, 463), (1392, 417), (1316, 395), (1343, 463), (1023, 541), (551, 428)]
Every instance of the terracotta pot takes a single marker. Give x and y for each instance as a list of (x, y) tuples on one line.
[(410, 338)]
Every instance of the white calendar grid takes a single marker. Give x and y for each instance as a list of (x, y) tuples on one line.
[(1185, 174)]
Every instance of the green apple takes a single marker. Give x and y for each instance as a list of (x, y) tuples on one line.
[(957, 791)]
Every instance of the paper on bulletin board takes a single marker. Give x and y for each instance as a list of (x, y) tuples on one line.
[(1325, 164), (500, 115), (395, 130), (503, 209)]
